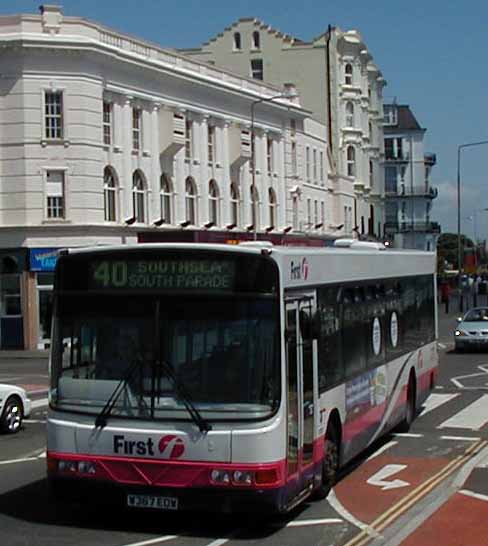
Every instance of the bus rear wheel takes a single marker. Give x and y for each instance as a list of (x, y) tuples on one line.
[(411, 406), (330, 462)]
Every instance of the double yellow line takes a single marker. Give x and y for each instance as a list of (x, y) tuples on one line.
[(379, 524)]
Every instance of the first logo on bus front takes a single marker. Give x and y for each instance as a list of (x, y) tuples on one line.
[(299, 270), (170, 446)]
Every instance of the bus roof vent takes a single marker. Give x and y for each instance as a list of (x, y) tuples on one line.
[(257, 244), (343, 243)]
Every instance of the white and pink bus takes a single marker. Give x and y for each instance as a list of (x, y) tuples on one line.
[(232, 378)]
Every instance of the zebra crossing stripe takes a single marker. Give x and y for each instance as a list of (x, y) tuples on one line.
[(436, 400), (473, 417)]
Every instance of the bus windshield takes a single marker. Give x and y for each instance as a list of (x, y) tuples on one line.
[(223, 351)]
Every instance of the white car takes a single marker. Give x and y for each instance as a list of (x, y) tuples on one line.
[(14, 406)]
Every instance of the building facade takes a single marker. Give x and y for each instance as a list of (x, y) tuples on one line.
[(408, 189), (107, 139), (340, 84)]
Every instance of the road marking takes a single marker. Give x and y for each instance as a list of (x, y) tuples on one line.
[(478, 496), (38, 391), (472, 417), (306, 522), (441, 345), (345, 514), (380, 478), (34, 421), (3, 379), (458, 383), (153, 541), (405, 503), (407, 435), (436, 400), (35, 404), (382, 449), (23, 460), (462, 438), (218, 542)]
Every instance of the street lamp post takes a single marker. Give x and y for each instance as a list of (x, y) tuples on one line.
[(287, 94), (460, 148)]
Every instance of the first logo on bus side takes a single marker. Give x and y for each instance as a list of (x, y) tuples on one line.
[(299, 270)]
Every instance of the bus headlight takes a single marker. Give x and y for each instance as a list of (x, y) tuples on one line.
[(220, 477), (242, 478)]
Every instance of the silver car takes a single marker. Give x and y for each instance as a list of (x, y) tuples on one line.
[(472, 330), (14, 406)]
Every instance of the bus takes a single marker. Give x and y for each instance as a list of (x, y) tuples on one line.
[(231, 377)]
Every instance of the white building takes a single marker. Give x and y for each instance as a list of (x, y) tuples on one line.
[(408, 190), (340, 84), (107, 139)]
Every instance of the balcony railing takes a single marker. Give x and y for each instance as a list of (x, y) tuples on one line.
[(405, 191), (408, 227), (403, 157), (430, 159)]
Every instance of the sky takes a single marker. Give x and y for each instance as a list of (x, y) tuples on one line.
[(431, 52)]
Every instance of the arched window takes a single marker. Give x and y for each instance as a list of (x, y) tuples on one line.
[(213, 202), (255, 207), (371, 174), (272, 207), (349, 114), (166, 198), (256, 40), (190, 201), (234, 205), (109, 194), (348, 74), (351, 161), (237, 40), (139, 196)]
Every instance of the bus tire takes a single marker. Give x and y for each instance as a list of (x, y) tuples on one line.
[(330, 462), (411, 406)]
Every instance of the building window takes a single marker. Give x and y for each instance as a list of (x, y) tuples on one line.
[(314, 165), (371, 174), (256, 40), (211, 144), (234, 205), (107, 123), (55, 194), (293, 128), (269, 155), (272, 208), (188, 139), (295, 212), (213, 202), (309, 213), (351, 161), (322, 214), (321, 167), (316, 212), (237, 41), (165, 197), (370, 131), (53, 104), (257, 69), (294, 158), (138, 197), (255, 207), (190, 201), (349, 114), (348, 74), (136, 129), (390, 114), (307, 163), (109, 194)]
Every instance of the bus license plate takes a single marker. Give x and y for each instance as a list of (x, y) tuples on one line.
[(150, 501)]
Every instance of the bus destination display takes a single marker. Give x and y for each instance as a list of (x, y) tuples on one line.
[(169, 274)]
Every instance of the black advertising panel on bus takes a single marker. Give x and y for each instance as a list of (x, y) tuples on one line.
[(153, 270)]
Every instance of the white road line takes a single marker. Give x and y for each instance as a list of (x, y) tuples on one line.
[(153, 541), (407, 435), (2, 379), (473, 417), (38, 391), (306, 522), (218, 542), (382, 449), (462, 438), (441, 345), (478, 496), (345, 514), (436, 400), (39, 403), (34, 421), (13, 461)]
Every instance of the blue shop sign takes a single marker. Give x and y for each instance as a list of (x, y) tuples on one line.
[(43, 259)]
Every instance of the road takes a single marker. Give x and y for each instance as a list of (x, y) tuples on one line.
[(417, 489)]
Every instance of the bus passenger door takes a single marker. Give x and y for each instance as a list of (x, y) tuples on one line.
[(300, 392)]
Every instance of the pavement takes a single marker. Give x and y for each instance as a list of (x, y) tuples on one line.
[(37, 354)]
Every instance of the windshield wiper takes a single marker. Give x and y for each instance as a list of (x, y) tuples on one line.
[(101, 419), (183, 396)]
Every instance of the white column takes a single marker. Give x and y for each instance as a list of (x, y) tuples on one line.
[(226, 181), (281, 183), (127, 159), (154, 182)]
